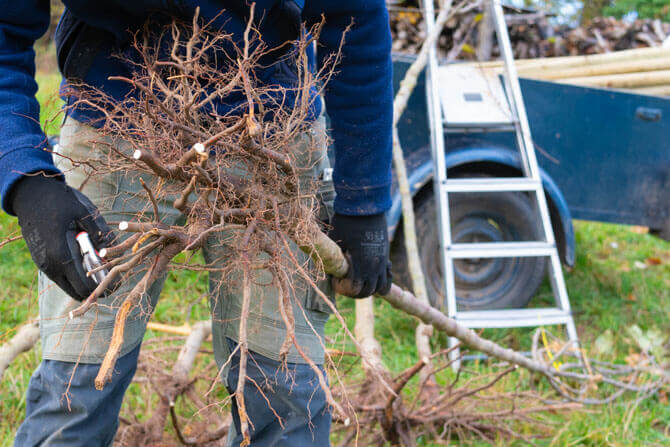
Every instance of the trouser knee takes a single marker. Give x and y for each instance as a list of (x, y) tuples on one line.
[(284, 401), (63, 408)]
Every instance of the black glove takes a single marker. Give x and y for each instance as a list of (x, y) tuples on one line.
[(365, 242), (50, 216)]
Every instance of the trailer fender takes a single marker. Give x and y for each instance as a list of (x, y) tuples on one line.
[(498, 161)]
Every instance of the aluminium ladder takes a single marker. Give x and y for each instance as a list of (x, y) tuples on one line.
[(460, 99)]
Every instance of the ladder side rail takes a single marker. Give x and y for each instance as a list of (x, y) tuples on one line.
[(440, 174), (558, 282), (526, 147), (513, 89), (529, 159)]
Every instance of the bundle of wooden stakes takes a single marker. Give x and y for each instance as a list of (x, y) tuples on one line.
[(642, 71)]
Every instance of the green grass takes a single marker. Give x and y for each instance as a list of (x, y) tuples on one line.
[(608, 291), (609, 295), (50, 103)]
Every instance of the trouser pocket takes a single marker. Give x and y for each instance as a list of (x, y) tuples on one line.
[(326, 194), (85, 339), (266, 330)]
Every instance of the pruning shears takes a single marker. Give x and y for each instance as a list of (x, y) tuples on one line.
[(91, 258)]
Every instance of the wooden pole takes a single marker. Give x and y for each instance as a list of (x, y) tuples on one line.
[(423, 331), (627, 80), (645, 67), (579, 61), (635, 66), (656, 90)]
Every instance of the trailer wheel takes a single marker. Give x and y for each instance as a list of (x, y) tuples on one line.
[(486, 283)]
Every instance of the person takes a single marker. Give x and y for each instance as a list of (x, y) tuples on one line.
[(53, 202)]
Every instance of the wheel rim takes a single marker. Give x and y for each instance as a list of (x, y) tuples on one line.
[(472, 272), (479, 282)]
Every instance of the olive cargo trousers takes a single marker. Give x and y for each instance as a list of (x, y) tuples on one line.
[(91, 418)]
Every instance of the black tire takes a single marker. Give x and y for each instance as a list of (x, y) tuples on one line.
[(480, 283), (663, 233)]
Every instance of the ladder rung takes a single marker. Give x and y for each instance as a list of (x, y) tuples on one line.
[(500, 249), (479, 128), (491, 184), (513, 317), (468, 100)]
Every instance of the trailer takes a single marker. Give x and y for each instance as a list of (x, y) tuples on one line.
[(604, 156)]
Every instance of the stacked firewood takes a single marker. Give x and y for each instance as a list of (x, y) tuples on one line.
[(531, 33), (605, 53), (532, 39), (605, 34), (409, 31)]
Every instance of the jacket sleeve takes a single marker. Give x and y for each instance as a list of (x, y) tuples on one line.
[(22, 148), (359, 100)]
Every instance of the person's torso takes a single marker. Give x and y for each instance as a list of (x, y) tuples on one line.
[(106, 30)]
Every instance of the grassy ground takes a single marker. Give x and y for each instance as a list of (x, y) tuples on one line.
[(621, 280)]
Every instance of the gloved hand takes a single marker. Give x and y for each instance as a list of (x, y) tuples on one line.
[(50, 216), (365, 242)]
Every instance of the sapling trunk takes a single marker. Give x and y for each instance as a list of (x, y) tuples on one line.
[(331, 255)]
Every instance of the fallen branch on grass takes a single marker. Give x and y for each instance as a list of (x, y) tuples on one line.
[(458, 408), (461, 407), (331, 253), (173, 385), (23, 341)]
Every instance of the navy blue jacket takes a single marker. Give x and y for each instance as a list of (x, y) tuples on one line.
[(358, 99)]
